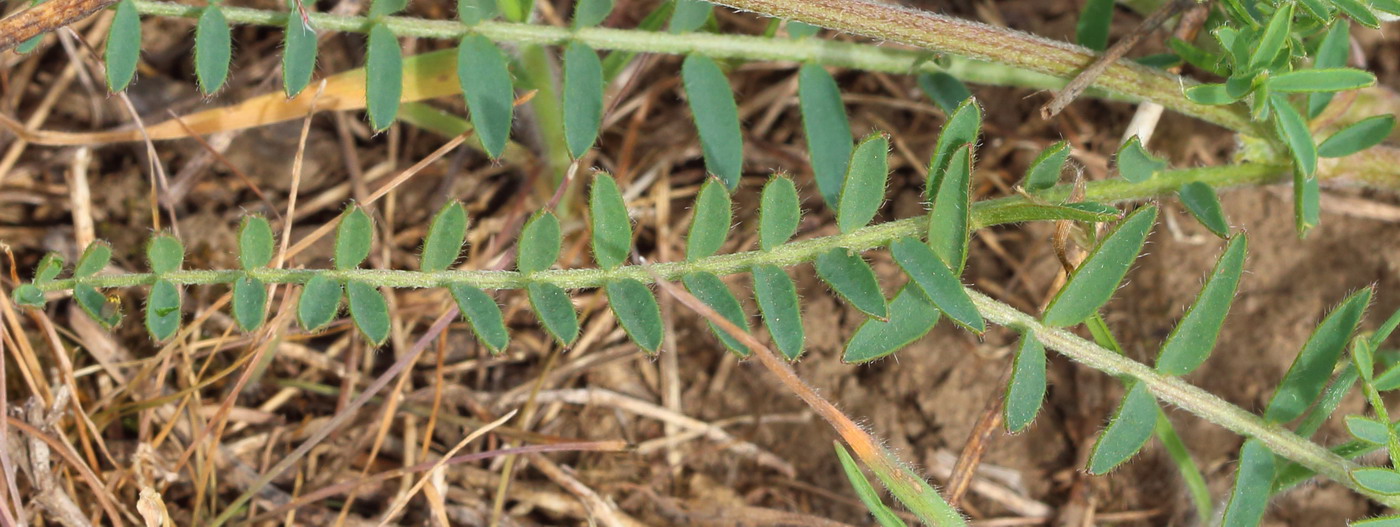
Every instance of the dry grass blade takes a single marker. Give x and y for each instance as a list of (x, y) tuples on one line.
[(418, 485), (46, 17)]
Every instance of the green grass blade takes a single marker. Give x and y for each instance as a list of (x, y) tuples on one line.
[(163, 310), (866, 492), (368, 310), (710, 224), (962, 128), (853, 280), (1044, 172), (1311, 369), (1088, 212), (445, 236), (249, 302), (299, 49), (1204, 204), (712, 292), (213, 49), (539, 242), (1091, 31), (1359, 136), (945, 90), (636, 309), (1127, 432), (1193, 338), (486, 85), (583, 97), (689, 15), (1250, 495), (1190, 473), (914, 492), (716, 118), (863, 187), (255, 242), (1025, 391), (555, 310), (912, 315), (383, 76), (354, 237), (1097, 278), (827, 129), (950, 221), (319, 302), (782, 313), (123, 46), (935, 280), (1135, 163), (483, 315), (612, 229), (778, 213), (95, 258)]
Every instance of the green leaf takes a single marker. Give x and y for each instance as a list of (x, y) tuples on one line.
[(1380, 521), (29, 295), (798, 30), (1198, 57), (383, 77), (911, 316), (555, 311), (1367, 429), (1044, 172), (483, 315), (1127, 432), (255, 242), (107, 313), (1378, 480), (445, 236), (1332, 52), (782, 313), (712, 292), (1359, 136), (1204, 204), (1135, 163), (1358, 12), (95, 258), (1097, 278), (1291, 128), (516, 10), (583, 97), (163, 310), (1386, 328), (716, 118), (164, 253), (1193, 338), (49, 267), (539, 243), (472, 12), (213, 48), (249, 302), (1213, 94), (865, 491), (962, 129), (382, 8), (710, 224), (853, 279), (1274, 38), (1025, 392), (946, 90), (369, 310), (689, 15), (612, 229), (863, 187), (939, 283), (1310, 370), (1307, 206), (635, 307), (589, 13), (486, 85), (1250, 494), (354, 237), (778, 212), (1092, 29), (1022, 212), (950, 221), (299, 50), (123, 46), (319, 302), (827, 128), (1391, 7), (1321, 80)]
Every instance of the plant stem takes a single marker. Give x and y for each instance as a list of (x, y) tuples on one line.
[(985, 213)]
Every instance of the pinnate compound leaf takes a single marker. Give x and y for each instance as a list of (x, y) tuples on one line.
[(95, 258), (942, 287), (710, 224), (445, 236), (1129, 430), (716, 118), (164, 253), (1379, 480), (299, 51), (1367, 429), (1321, 80), (1313, 366), (946, 90), (1135, 163), (1025, 392), (1092, 29), (1253, 479), (778, 212), (636, 309), (123, 46), (1044, 172), (689, 15), (612, 229), (1191, 342), (368, 310), (484, 316), (213, 48), (1291, 128), (1097, 278), (486, 85), (1204, 204), (950, 221), (863, 187), (319, 302), (49, 268), (583, 97), (555, 310), (354, 237), (865, 491), (107, 313), (853, 279), (710, 290), (589, 13), (1332, 52), (163, 310), (1273, 39), (1359, 136), (962, 128), (249, 302), (255, 242), (827, 128), (911, 317), (782, 313), (538, 247), (383, 76)]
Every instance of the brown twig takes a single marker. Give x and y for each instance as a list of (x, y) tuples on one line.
[(45, 17)]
